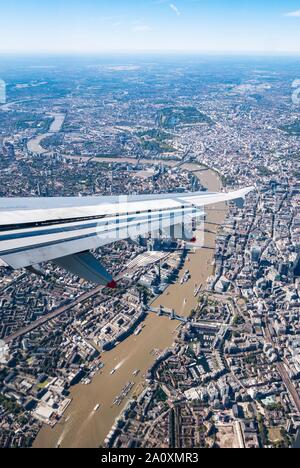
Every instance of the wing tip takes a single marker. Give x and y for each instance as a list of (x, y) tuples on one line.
[(112, 285)]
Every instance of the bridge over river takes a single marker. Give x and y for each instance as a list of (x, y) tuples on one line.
[(165, 312)]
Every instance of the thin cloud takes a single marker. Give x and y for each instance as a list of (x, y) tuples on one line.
[(141, 28), (175, 9), (293, 13)]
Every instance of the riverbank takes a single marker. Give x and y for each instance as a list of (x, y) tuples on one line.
[(83, 426)]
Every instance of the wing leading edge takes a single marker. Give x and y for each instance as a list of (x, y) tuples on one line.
[(64, 230)]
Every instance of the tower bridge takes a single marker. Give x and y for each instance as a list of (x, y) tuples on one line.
[(171, 313)]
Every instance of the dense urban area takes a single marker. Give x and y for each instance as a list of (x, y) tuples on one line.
[(231, 379)]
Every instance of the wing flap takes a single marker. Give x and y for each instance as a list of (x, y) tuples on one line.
[(87, 267)]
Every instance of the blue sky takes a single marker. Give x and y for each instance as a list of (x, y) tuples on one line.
[(156, 25)]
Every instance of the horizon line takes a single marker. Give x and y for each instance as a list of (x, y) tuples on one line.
[(146, 51)]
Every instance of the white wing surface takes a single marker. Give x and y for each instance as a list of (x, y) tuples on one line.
[(64, 230)]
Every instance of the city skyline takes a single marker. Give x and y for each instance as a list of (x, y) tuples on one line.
[(150, 25)]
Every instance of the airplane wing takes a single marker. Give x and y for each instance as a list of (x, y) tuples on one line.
[(65, 230)]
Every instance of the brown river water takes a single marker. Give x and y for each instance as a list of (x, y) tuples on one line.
[(81, 427)]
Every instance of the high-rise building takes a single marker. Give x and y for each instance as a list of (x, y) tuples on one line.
[(255, 253)]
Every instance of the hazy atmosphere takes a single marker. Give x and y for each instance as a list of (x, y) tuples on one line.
[(156, 25)]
